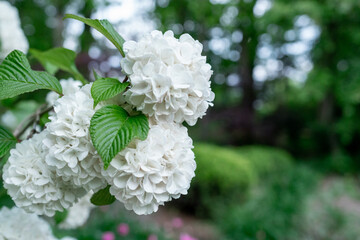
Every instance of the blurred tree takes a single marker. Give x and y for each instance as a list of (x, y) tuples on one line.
[(331, 92), (43, 22)]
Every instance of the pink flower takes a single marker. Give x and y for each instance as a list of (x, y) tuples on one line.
[(123, 229), (177, 222), (185, 236), (108, 236), (152, 237)]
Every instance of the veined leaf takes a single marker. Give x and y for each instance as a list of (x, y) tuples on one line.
[(17, 77), (112, 129), (106, 88), (58, 58), (102, 197), (105, 28), (7, 142)]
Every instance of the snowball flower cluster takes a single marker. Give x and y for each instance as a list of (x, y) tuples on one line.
[(30, 182), (149, 173), (169, 77), (16, 224), (69, 86), (11, 35), (71, 153), (79, 213)]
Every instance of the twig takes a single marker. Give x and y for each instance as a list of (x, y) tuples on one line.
[(125, 79), (36, 122), (26, 123)]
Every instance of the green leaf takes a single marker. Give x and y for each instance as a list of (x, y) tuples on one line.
[(102, 197), (44, 119), (106, 88), (7, 142), (97, 76), (60, 216), (105, 28), (17, 77), (112, 129), (58, 58)]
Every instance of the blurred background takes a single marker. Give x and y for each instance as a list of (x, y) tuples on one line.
[(278, 155)]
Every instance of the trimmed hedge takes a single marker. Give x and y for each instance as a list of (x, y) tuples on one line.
[(266, 160), (225, 174)]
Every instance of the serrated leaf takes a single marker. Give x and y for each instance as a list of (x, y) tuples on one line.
[(105, 28), (7, 142), (112, 129), (102, 197), (58, 59), (106, 88), (17, 77)]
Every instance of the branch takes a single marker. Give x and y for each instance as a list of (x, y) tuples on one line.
[(32, 119)]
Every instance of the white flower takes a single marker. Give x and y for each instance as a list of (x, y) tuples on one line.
[(149, 173), (79, 213), (69, 86), (71, 152), (16, 224), (11, 35), (169, 77), (30, 182)]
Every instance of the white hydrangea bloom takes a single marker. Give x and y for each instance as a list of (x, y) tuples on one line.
[(11, 35), (69, 86), (16, 224), (79, 213), (149, 173), (71, 152), (30, 182), (169, 77)]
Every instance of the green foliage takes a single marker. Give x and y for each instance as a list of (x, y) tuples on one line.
[(225, 175), (331, 212), (266, 160), (7, 142), (105, 28), (106, 88), (103, 197), (17, 77), (58, 58), (223, 168), (298, 204), (112, 129), (272, 208), (60, 216)]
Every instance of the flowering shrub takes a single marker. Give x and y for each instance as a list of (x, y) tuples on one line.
[(109, 139)]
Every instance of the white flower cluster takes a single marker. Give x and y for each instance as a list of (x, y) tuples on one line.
[(71, 153), (69, 86), (79, 213), (169, 77), (149, 173), (16, 224), (169, 84), (11, 35), (31, 183)]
